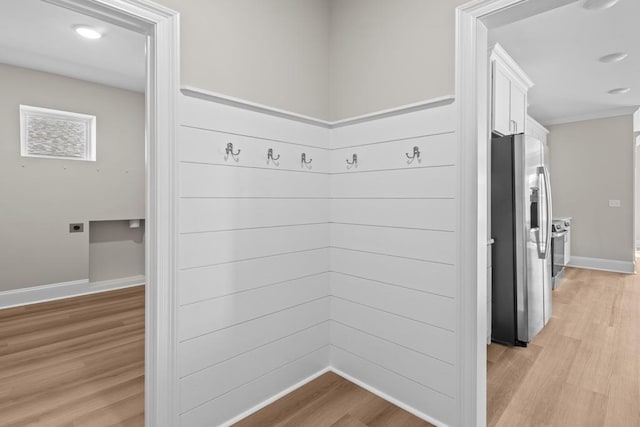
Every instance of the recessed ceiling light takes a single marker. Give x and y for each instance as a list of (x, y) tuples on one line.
[(620, 91), (614, 57), (599, 4), (87, 33)]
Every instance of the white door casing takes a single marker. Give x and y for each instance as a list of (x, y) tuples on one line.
[(160, 25)]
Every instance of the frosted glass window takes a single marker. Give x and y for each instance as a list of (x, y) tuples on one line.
[(57, 134)]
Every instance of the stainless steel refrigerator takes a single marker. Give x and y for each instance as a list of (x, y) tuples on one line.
[(521, 227)]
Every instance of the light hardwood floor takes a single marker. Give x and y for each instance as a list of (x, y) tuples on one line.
[(583, 369), (331, 401), (74, 362), (80, 362)]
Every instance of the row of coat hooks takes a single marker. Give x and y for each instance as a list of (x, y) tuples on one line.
[(304, 162), (229, 152), (353, 163)]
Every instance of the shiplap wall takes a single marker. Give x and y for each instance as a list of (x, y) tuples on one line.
[(393, 258), (286, 270), (254, 259)]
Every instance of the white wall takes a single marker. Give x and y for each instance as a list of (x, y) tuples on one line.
[(394, 257), (286, 269), (273, 52), (592, 163), (41, 197), (384, 54), (254, 260), (329, 59)]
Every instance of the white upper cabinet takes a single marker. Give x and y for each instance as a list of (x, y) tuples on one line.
[(501, 101), (510, 85), (536, 130), (518, 108)]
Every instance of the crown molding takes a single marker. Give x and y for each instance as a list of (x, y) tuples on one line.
[(616, 112)]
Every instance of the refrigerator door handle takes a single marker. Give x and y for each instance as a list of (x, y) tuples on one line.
[(549, 208), (541, 232), (545, 226)]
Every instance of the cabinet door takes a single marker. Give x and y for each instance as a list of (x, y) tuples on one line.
[(501, 111), (518, 108)]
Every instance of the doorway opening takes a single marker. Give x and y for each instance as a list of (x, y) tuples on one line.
[(60, 149), (475, 22)]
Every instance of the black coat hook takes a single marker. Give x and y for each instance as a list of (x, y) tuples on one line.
[(416, 155), (304, 161), (354, 161), (270, 155), (229, 151)]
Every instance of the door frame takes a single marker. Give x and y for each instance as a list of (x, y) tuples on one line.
[(472, 99), (160, 25)]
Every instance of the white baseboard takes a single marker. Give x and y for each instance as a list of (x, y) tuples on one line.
[(272, 399), (612, 265), (346, 377), (44, 293), (124, 282), (388, 398)]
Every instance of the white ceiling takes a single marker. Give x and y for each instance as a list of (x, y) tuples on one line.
[(559, 50), (38, 35)]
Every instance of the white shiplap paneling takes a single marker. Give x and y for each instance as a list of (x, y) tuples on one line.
[(253, 282), (393, 258), (421, 275), (201, 249), (214, 314), (431, 309), (203, 114), (210, 349), (263, 247), (207, 146), (432, 121), (426, 214), (197, 215), (435, 182), (435, 150), (216, 380), (429, 372), (430, 340), (425, 245), (202, 180), (228, 406), (433, 405), (198, 284)]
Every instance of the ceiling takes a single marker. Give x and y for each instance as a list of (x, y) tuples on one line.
[(559, 50), (38, 35)]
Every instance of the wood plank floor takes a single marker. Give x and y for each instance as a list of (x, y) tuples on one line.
[(74, 362), (332, 401), (583, 369)]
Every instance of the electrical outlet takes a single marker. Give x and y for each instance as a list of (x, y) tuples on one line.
[(614, 203), (76, 228)]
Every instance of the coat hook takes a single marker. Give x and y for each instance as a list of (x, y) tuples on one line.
[(353, 162), (270, 156), (303, 158), (416, 155), (229, 151)]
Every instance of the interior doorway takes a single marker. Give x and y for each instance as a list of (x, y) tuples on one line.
[(73, 183), (156, 29), (474, 21)]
